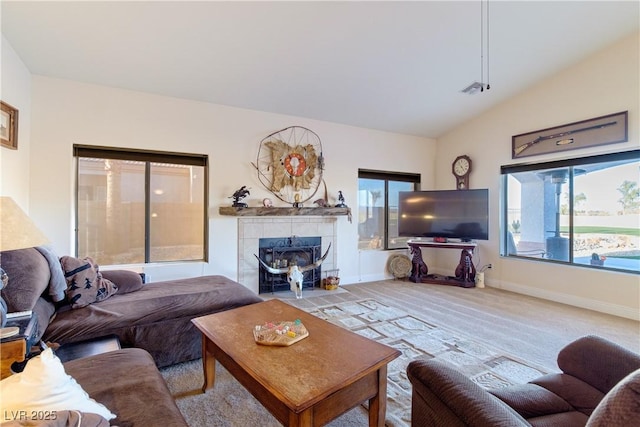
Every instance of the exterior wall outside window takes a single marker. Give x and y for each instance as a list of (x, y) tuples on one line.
[(585, 213), (133, 211)]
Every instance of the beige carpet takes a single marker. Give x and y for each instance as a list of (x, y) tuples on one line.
[(229, 404)]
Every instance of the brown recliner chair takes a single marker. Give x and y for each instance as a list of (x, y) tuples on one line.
[(591, 367)]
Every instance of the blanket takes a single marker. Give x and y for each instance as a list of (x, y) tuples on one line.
[(57, 282)]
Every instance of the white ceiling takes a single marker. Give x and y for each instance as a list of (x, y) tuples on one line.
[(394, 66)]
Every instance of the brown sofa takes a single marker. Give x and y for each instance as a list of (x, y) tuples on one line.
[(591, 368), (154, 316), (133, 388), (120, 388)]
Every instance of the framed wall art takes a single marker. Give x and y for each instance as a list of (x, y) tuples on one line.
[(8, 126), (586, 133)]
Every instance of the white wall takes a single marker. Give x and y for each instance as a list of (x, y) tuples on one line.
[(40, 173), (67, 113), (605, 83), (15, 90)]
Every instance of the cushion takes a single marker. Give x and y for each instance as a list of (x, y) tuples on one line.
[(127, 281), (44, 386), (85, 284), (621, 406), (531, 400), (29, 276)]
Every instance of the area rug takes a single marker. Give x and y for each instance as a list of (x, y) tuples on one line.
[(416, 338), (229, 404)]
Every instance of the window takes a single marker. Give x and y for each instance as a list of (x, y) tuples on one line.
[(140, 206), (378, 208), (583, 211)]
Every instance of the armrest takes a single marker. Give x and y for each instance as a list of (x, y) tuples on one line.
[(126, 280), (597, 361), (444, 396)]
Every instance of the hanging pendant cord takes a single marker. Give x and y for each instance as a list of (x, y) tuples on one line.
[(481, 46), (488, 80)]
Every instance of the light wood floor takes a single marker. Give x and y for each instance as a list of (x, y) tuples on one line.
[(529, 328)]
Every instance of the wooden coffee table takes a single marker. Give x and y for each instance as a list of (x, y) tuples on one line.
[(308, 383)]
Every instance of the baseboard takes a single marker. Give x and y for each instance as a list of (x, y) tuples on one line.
[(590, 304), (367, 278)]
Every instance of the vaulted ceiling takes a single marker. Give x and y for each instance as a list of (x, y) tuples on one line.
[(395, 66)]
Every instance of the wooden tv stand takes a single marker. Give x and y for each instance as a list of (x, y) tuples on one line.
[(419, 269)]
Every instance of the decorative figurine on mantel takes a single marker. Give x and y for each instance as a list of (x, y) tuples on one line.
[(239, 195), (341, 203)]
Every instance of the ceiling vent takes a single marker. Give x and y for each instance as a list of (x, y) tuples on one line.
[(474, 88)]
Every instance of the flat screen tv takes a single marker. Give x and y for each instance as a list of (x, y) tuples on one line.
[(452, 214)]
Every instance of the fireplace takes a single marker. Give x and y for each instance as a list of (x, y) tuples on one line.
[(281, 252), (252, 229)]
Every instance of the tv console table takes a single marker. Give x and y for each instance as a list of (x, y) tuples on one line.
[(419, 269)]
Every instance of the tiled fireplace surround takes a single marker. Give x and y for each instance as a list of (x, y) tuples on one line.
[(250, 230)]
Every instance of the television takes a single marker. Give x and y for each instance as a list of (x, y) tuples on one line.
[(451, 214)]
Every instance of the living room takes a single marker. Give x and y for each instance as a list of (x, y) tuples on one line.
[(57, 112)]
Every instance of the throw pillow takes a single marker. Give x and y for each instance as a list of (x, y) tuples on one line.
[(85, 284), (44, 386)]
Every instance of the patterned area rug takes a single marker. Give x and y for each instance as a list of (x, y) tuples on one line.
[(416, 338), (228, 404)]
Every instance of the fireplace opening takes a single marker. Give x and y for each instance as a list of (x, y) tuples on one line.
[(281, 252)]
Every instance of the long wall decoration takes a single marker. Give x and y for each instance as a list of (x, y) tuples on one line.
[(586, 133)]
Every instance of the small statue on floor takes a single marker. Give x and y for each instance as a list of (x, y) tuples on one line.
[(419, 268), (466, 271)]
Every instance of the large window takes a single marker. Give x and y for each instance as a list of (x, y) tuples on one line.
[(378, 208), (140, 206), (583, 211)]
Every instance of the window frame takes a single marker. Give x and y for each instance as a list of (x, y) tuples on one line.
[(387, 176), (506, 170), (148, 157)]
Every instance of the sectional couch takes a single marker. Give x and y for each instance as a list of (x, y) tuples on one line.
[(152, 322), (155, 316)]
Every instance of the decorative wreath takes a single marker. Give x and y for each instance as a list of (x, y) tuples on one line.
[(290, 164), (399, 265)]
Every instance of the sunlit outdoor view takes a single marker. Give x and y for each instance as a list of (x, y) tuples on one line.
[(600, 227), (112, 211), (377, 208)]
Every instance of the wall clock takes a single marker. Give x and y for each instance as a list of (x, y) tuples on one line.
[(290, 164), (461, 169)]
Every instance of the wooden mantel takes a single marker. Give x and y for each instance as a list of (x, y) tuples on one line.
[(262, 211)]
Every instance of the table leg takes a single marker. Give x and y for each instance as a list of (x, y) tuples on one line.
[(303, 419), (208, 365), (378, 403)]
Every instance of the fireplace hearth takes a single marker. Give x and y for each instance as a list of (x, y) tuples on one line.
[(281, 252)]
